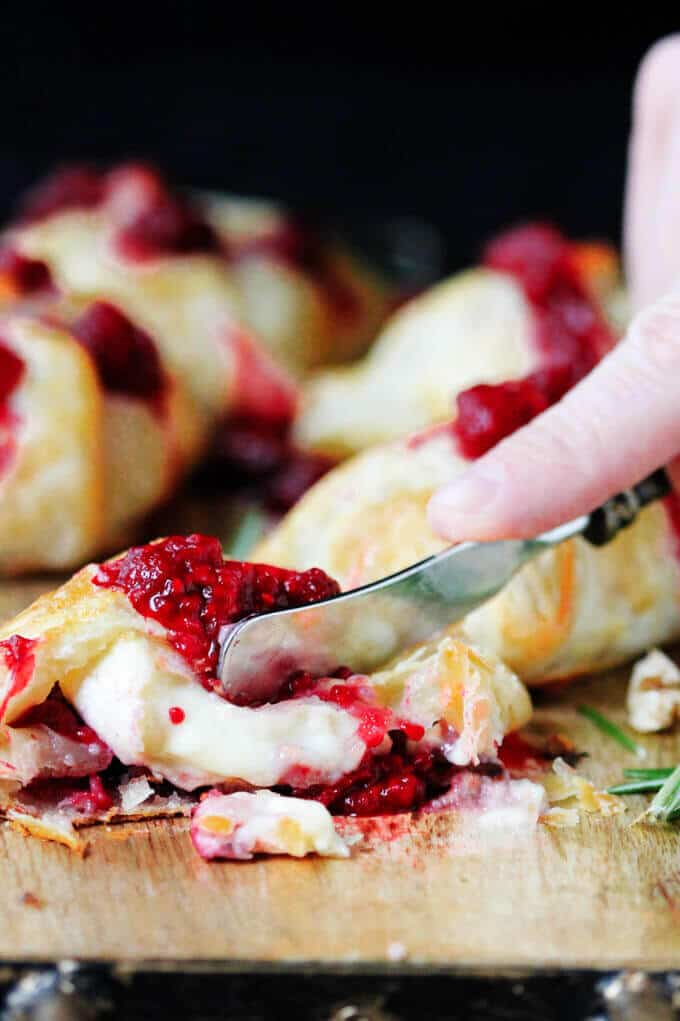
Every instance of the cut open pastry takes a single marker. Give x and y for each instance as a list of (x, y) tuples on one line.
[(110, 681)]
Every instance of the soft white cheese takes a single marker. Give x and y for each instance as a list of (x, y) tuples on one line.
[(126, 698), (242, 824)]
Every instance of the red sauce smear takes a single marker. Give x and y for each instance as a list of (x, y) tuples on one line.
[(21, 276), (387, 784), (672, 507), (72, 187), (56, 713), (12, 369), (19, 656), (570, 334), (375, 722), (184, 583), (151, 220), (126, 357), (252, 448), (91, 800), (258, 455)]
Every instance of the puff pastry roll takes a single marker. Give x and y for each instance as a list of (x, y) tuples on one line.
[(310, 297), (95, 433), (574, 610), (117, 669), (539, 304)]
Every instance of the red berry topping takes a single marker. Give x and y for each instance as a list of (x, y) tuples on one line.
[(386, 784), (259, 454), (56, 713), (69, 188), (126, 357), (19, 656), (152, 220), (20, 275), (184, 583), (570, 334), (92, 801), (12, 369), (176, 714)]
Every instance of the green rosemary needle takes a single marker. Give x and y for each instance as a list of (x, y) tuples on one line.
[(636, 787), (612, 731), (637, 773), (665, 805)]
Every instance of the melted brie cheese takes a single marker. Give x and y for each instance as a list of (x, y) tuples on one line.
[(126, 698)]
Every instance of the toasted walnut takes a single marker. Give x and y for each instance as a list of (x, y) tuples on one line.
[(654, 693)]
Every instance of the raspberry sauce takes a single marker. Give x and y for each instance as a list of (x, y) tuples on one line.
[(19, 656), (570, 335), (151, 220), (184, 583), (12, 370), (375, 721), (72, 187), (126, 357), (385, 784), (21, 276)]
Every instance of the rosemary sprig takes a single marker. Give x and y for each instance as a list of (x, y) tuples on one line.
[(661, 773), (665, 805), (636, 787), (611, 730)]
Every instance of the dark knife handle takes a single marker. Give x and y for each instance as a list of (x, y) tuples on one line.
[(622, 509)]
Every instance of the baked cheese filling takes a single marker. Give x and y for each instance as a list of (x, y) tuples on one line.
[(109, 698)]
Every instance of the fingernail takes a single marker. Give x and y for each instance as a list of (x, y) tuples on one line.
[(464, 507)]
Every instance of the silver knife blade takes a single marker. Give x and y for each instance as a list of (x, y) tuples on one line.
[(365, 627)]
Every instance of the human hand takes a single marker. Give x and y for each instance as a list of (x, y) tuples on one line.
[(623, 420)]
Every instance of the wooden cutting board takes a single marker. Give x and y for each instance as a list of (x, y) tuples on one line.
[(606, 894)]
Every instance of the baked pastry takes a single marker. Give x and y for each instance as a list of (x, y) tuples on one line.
[(538, 305), (311, 298), (574, 610), (95, 433), (116, 671), (571, 611)]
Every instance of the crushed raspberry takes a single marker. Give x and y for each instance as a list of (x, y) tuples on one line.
[(518, 756), (68, 188), (176, 714), (184, 583), (570, 334), (255, 454), (126, 357), (386, 784), (151, 219), (20, 276), (375, 722), (12, 370), (19, 656), (56, 713), (90, 801), (672, 507), (486, 414)]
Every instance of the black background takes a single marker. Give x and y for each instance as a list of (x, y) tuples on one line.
[(470, 126)]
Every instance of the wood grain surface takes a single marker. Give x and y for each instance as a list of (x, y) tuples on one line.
[(437, 891)]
